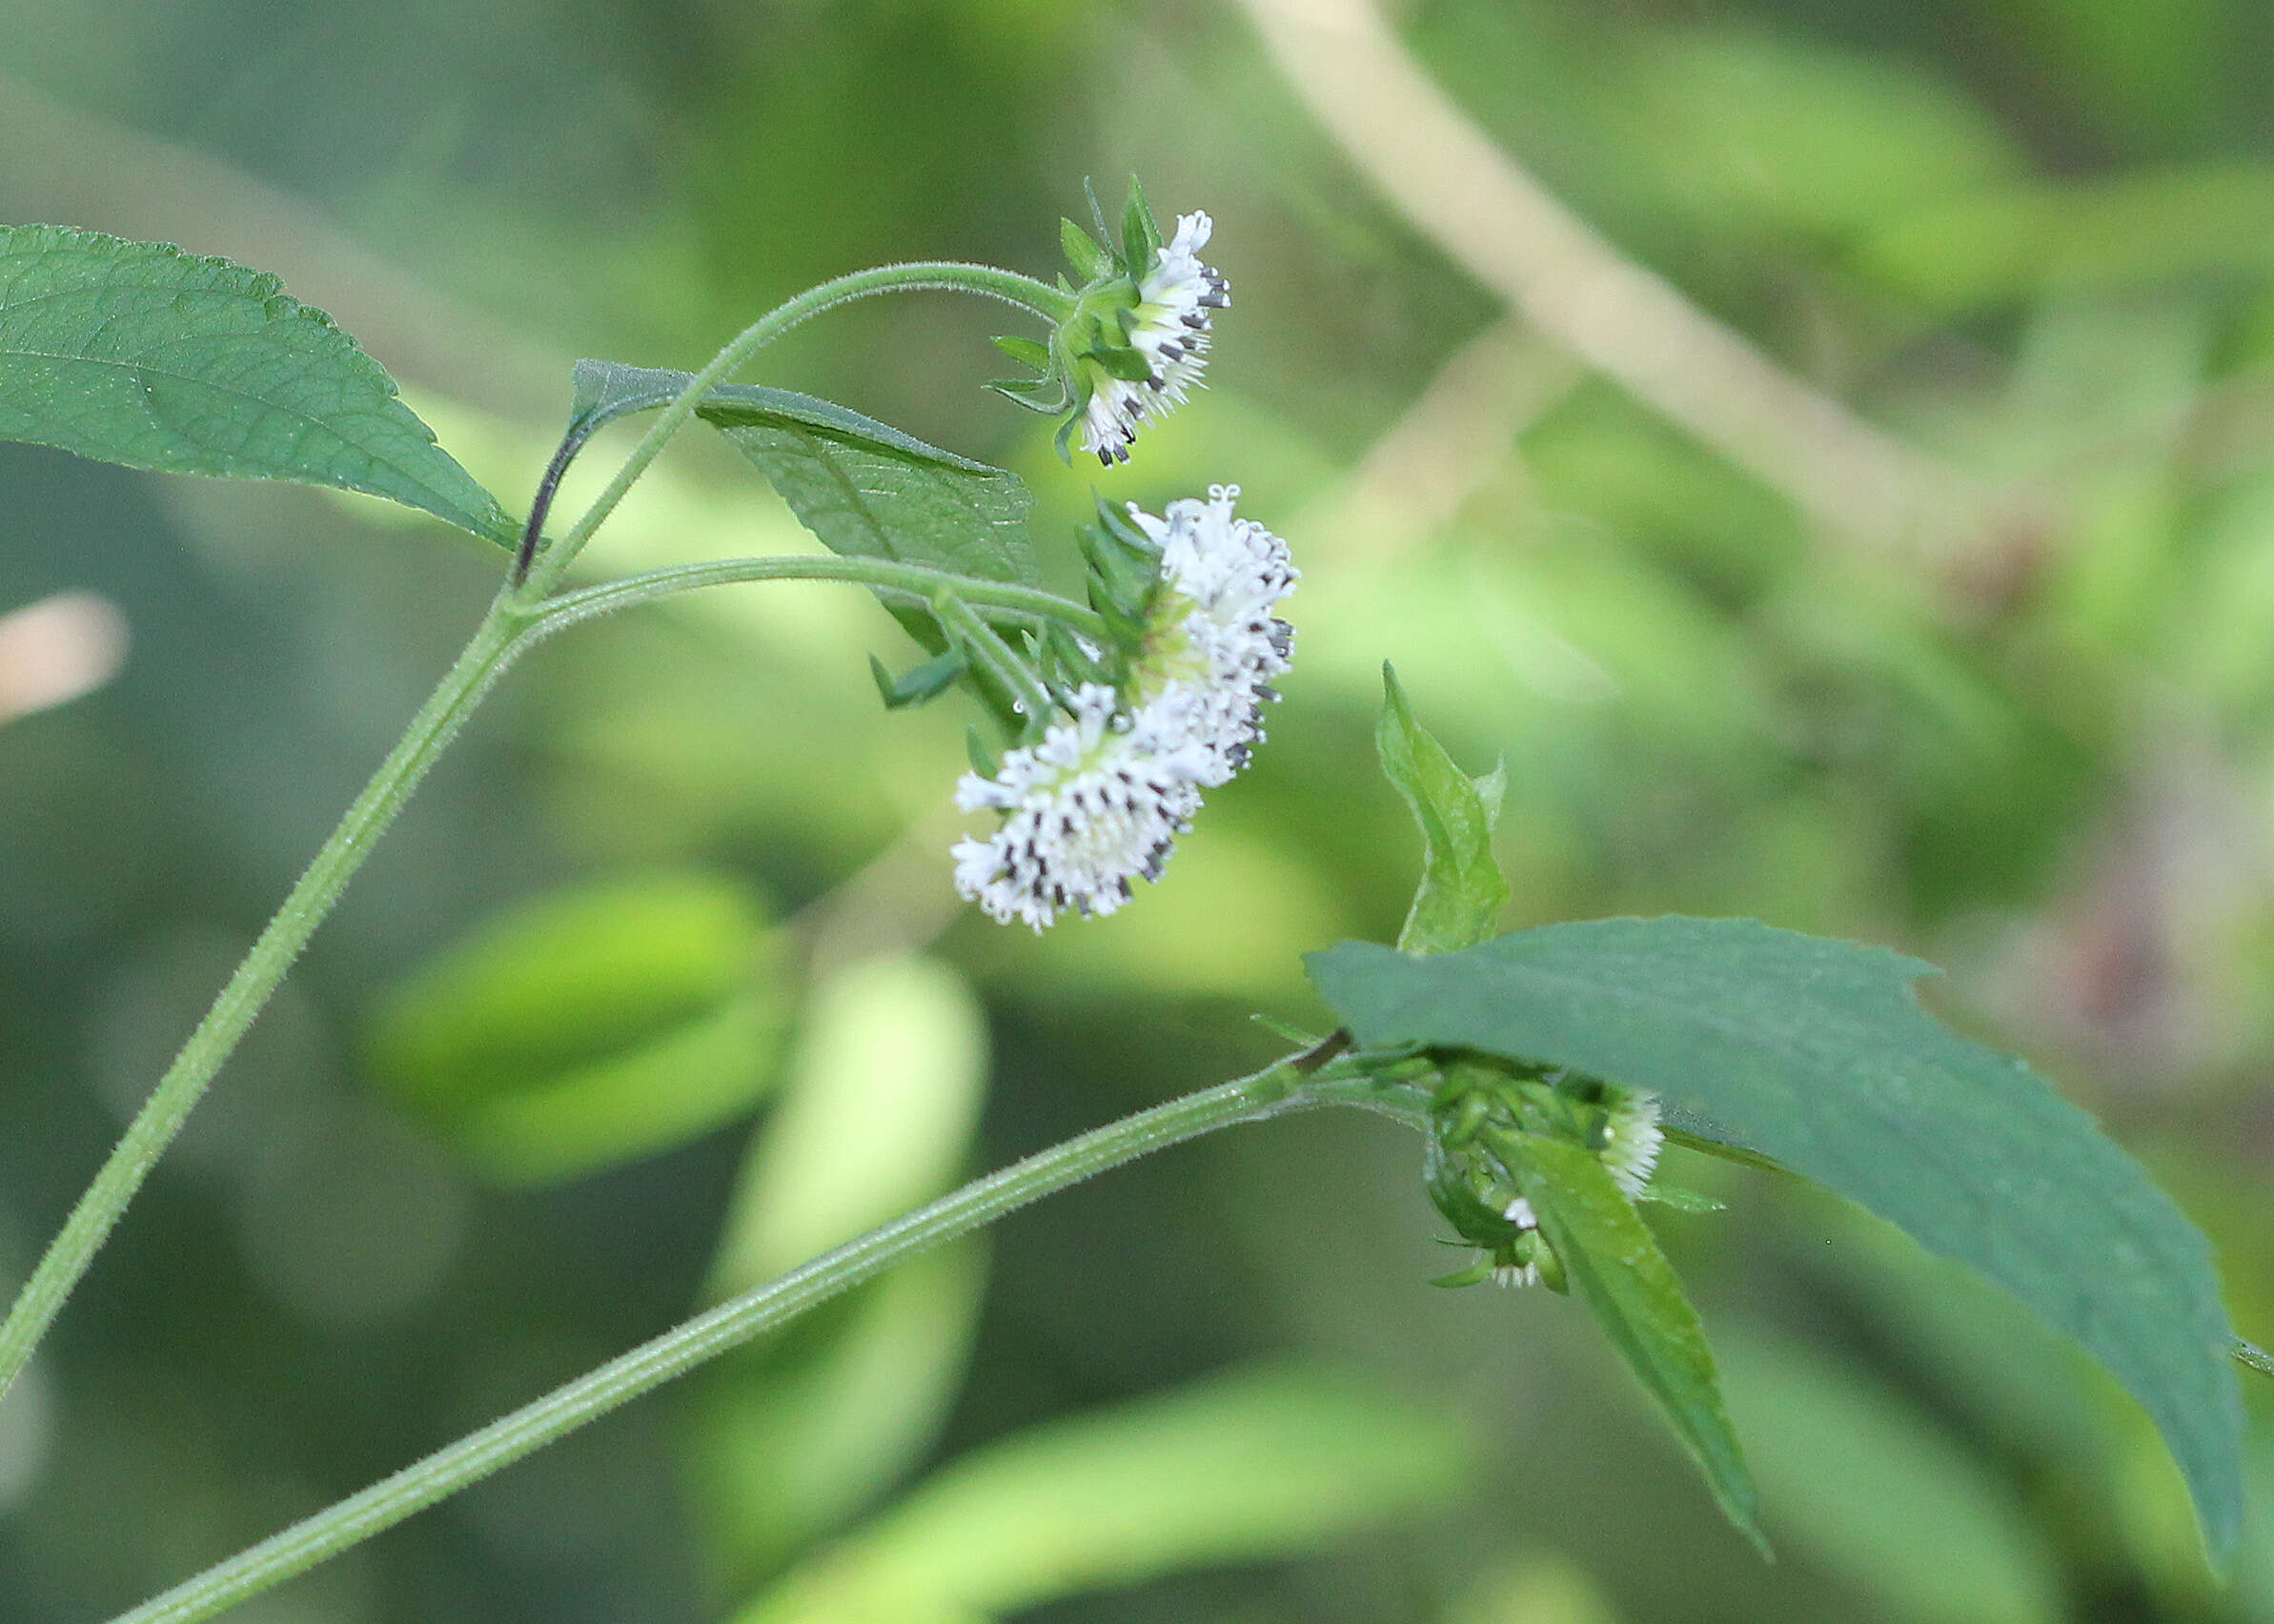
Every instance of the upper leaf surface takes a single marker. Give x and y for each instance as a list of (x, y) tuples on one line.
[(1461, 892), (1816, 1054), (139, 354)]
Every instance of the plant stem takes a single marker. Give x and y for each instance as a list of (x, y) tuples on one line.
[(1271, 1092), (985, 280), (66, 1260), (919, 582), (994, 657)]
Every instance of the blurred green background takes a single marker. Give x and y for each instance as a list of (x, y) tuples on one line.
[(660, 985)]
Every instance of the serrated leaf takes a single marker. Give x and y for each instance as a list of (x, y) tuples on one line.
[(138, 354), (1815, 1053), (872, 492), (864, 488), (1611, 1255), (1461, 893)]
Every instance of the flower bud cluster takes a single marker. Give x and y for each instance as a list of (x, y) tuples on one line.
[(1135, 341), (1173, 706), (1484, 1113)]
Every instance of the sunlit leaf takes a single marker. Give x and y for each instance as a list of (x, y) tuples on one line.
[(1815, 1053), (1244, 1468), (138, 354), (789, 1437)]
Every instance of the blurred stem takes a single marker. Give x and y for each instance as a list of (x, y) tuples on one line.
[(500, 637), (1285, 1086), (917, 583), (919, 277)]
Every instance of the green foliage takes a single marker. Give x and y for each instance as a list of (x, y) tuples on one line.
[(590, 1027), (138, 354), (1250, 1466), (1816, 1054), (864, 487), (790, 1437), (1461, 893), (1866, 1482), (1609, 1254)]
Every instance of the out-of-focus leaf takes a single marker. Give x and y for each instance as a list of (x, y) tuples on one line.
[(589, 1028), (788, 1438), (1816, 1054), (138, 354), (783, 1445), (1611, 1255), (2017, 244), (1538, 1588), (1750, 129), (1244, 1468), (1461, 892), (1880, 1494), (888, 1077)]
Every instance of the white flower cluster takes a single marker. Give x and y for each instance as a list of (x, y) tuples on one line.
[(1632, 1139), (1175, 302), (1100, 800)]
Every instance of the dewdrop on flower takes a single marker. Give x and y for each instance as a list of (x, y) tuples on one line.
[(1177, 297)]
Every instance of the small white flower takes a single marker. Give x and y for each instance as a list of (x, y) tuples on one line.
[(1632, 1139), (1517, 1274), (1098, 802), (1519, 1213), (1176, 300), (1219, 642)]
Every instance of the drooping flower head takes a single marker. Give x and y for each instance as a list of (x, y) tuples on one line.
[(1214, 639), (1136, 340), (1171, 709), (1098, 802)]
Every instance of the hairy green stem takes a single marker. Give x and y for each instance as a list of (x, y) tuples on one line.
[(1271, 1092), (985, 280), (995, 658), (66, 1260), (917, 583)]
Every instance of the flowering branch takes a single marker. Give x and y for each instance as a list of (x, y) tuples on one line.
[(1276, 1091)]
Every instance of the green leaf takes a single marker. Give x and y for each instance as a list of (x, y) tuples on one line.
[(1611, 1255), (1462, 892), (871, 492), (1867, 1481), (589, 1028), (864, 488), (795, 1434), (1243, 1468), (1815, 1053), (138, 354)]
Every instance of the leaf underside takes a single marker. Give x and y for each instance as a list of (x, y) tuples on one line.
[(1815, 1053), (141, 354), (862, 487)]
